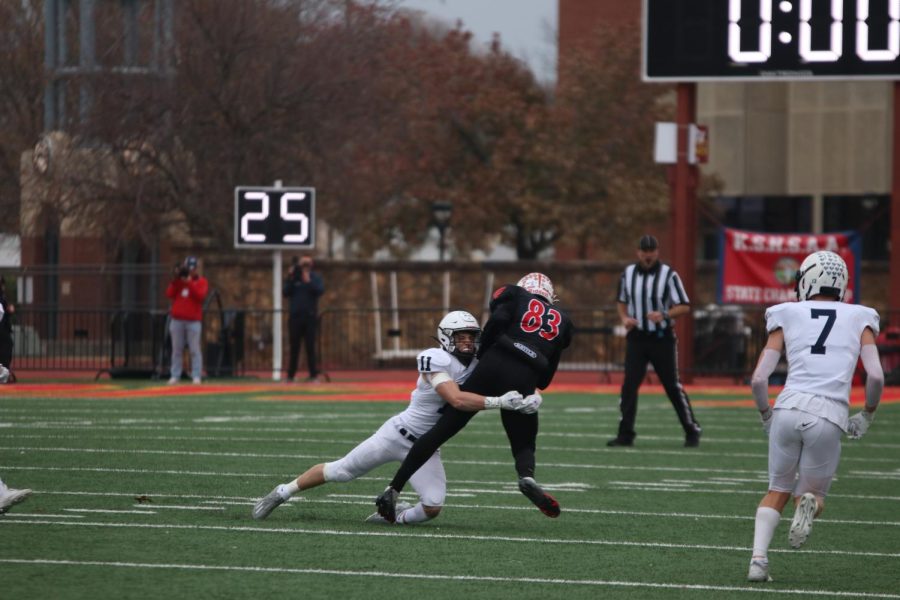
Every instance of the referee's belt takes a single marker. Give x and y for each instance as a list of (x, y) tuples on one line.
[(407, 435), (659, 334)]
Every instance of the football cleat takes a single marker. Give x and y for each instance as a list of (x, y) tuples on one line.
[(4, 374), (267, 504), (617, 441), (759, 570), (801, 525), (544, 501), (10, 497), (386, 504), (376, 518)]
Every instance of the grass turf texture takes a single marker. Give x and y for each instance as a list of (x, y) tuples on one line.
[(140, 495)]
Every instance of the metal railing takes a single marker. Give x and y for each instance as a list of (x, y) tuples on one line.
[(237, 341)]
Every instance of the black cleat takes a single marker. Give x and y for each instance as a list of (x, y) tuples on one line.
[(692, 440), (544, 501), (619, 442), (386, 504)]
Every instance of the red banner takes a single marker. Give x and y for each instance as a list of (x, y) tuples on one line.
[(759, 268)]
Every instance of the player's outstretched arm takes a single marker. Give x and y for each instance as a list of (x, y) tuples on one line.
[(449, 391)]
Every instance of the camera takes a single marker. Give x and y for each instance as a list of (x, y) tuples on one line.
[(181, 270)]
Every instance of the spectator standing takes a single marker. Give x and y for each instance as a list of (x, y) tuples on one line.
[(6, 338), (303, 286), (649, 299), (187, 291)]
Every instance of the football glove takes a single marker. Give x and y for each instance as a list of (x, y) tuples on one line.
[(509, 401), (858, 424), (766, 418), (530, 404)]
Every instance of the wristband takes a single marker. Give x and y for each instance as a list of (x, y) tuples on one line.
[(491, 402)]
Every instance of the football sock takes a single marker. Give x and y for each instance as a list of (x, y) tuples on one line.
[(766, 522), (416, 514), (287, 490)]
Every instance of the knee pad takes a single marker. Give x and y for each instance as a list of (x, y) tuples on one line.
[(431, 511), (334, 471)]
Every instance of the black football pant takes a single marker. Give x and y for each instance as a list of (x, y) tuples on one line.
[(496, 374), (302, 327), (662, 352)]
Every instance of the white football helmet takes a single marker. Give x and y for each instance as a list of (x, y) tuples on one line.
[(822, 272), (539, 285), (455, 322)]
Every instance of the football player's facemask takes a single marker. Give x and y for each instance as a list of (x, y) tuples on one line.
[(539, 285), (459, 334), (823, 273)]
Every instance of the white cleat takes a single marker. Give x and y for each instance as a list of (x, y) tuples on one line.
[(759, 570), (801, 525), (376, 518), (267, 504), (10, 497), (4, 374)]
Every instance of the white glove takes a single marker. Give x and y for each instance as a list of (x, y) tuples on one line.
[(858, 424), (531, 403), (766, 418), (509, 401)]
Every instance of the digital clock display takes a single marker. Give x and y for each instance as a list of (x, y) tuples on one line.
[(694, 40), (274, 217)]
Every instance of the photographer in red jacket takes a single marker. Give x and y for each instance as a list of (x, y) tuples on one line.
[(187, 291)]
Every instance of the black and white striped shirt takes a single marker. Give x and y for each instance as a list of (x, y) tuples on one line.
[(658, 289)]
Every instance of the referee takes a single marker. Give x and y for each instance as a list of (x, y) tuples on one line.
[(650, 297)]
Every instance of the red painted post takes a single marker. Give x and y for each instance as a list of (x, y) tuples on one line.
[(684, 223), (894, 285)]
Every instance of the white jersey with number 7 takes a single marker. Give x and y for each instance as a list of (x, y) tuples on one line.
[(822, 343)]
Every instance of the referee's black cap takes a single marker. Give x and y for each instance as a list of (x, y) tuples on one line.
[(648, 242)]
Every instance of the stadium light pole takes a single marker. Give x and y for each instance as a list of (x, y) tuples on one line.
[(441, 212)]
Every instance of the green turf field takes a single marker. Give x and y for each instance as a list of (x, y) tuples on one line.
[(150, 497)]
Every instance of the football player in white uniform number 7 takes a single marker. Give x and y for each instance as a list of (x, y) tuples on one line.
[(441, 371), (823, 337)]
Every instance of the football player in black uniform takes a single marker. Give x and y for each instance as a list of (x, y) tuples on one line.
[(521, 345)]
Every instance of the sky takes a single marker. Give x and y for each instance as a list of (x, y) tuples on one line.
[(527, 28)]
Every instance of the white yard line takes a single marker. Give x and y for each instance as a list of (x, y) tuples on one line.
[(176, 507), (352, 441), (455, 578), (404, 533), (114, 512), (726, 471), (367, 500)]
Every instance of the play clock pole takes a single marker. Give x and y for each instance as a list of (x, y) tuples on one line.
[(275, 218), (277, 351)]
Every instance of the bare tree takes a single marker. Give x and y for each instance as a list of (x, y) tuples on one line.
[(21, 89)]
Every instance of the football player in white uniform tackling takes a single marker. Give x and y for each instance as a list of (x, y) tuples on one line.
[(441, 371), (822, 338)]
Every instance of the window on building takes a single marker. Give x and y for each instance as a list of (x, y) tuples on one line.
[(869, 214)]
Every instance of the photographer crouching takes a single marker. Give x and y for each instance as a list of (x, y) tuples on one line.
[(187, 291), (303, 286)]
